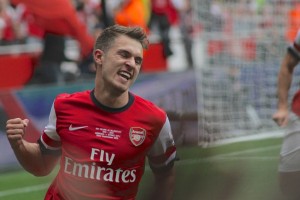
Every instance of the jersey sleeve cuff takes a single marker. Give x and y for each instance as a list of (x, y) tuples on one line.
[(293, 52), (46, 151)]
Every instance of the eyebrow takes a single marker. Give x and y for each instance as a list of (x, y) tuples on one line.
[(126, 51)]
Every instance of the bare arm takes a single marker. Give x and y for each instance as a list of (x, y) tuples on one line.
[(164, 185), (28, 154), (284, 82)]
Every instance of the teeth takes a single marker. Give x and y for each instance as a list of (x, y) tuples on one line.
[(125, 74)]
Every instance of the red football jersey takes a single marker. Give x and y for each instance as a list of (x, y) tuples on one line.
[(103, 149)]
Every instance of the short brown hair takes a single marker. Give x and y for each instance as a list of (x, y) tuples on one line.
[(109, 34)]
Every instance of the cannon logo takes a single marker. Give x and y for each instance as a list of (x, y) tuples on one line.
[(137, 135)]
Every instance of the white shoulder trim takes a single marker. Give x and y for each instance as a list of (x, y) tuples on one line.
[(50, 128)]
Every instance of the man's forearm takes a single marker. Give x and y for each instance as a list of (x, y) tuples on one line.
[(30, 158), (284, 81), (164, 185)]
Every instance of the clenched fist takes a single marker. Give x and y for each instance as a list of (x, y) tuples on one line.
[(15, 130)]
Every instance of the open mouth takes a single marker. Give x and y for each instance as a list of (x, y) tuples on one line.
[(126, 75)]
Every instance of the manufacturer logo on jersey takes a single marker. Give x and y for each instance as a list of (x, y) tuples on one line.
[(137, 135), (72, 128)]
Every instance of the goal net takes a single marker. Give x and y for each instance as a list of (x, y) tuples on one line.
[(243, 44)]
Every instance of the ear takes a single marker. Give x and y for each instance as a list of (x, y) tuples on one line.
[(98, 56)]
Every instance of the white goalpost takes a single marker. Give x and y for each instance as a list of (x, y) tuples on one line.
[(243, 44)]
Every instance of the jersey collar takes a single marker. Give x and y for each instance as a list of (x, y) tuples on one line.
[(109, 109)]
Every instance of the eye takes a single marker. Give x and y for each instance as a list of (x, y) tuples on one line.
[(124, 54), (138, 60), (127, 55)]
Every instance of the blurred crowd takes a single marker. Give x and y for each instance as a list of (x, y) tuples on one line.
[(52, 22)]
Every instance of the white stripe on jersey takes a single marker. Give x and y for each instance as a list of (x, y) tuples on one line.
[(162, 143), (50, 129)]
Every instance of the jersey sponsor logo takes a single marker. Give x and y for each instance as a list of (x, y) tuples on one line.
[(72, 128), (95, 171), (99, 168), (137, 135)]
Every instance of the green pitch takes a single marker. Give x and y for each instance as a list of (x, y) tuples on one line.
[(240, 171)]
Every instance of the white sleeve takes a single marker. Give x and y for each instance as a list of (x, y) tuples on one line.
[(290, 149), (50, 128), (50, 140), (163, 151)]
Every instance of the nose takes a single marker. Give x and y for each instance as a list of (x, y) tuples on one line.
[(130, 62)]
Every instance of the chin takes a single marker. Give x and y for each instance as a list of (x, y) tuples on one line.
[(121, 89)]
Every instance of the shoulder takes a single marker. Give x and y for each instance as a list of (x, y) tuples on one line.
[(64, 98), (148, 105)]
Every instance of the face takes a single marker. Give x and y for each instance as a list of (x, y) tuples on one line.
[(119, 66)]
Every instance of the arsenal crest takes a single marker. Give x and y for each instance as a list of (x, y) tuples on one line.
[(137, 135)]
